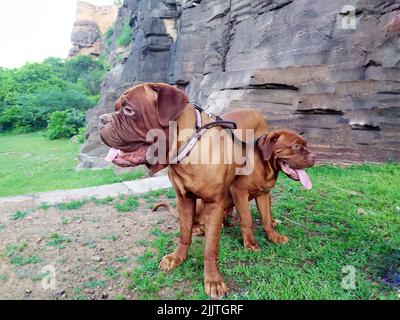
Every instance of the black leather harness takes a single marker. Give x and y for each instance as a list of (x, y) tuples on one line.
[(201, 129)]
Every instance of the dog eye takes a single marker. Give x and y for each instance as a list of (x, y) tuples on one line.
[(296, 147), (129, 112)]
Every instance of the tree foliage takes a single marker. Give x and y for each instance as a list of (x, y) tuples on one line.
[(30, 94)]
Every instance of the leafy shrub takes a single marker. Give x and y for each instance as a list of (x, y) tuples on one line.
[(10, 117), (109, 33), (81, 136), (64, 124), (125, 37)]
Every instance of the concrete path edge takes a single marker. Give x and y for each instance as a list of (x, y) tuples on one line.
[(100, 192)]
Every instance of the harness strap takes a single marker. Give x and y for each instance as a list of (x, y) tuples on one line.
[(200, 131)]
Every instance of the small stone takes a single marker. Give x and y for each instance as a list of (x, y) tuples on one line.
[(60, 293), (277, 221), (28, 292), (169, 227), (104, 295), (38, 240), (97, 259), (361, 211), (110, 289)]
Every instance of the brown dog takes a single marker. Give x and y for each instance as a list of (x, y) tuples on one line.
[(281, 150), (151, 106)]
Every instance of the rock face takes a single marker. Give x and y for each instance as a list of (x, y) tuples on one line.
[(91, 23), (329, 69)]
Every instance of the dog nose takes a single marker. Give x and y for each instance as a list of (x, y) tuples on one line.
[(104, 118), (312, 156)]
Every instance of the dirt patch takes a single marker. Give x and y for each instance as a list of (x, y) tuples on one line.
[(48, 253)]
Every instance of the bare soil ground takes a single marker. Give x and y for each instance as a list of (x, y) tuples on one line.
[(48, 253)]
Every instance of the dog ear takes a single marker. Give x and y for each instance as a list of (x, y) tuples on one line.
[(265, 144), (120, 103), (171, 102)]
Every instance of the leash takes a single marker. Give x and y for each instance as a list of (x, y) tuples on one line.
[(200, 131)]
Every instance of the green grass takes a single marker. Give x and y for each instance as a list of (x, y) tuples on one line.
[(350, 218), (73, 205), (93, 283), (122, 259), (106, 200), (57, 241), (29, 163), (127, 204), (112, 273), (111, 237), (19, 215), (15, 254)]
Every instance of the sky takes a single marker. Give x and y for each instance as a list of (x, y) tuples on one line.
[(32, 30)]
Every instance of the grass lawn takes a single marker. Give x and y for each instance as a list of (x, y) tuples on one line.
[(347, 226), (29, 163)]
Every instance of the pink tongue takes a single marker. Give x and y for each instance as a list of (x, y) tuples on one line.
[(304, 179), (112, 154)]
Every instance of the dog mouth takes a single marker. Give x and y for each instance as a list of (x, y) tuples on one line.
[(127, 159), (296, 174)]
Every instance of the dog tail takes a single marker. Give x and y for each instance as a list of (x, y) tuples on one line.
[(167, 206)]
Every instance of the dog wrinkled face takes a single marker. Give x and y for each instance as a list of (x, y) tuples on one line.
[(288, 152), (124, 131), (139, 110)]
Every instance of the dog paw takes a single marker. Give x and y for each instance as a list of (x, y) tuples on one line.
[(252, 246), (198, 230), (277, 238), (215, 288), (169, 262)]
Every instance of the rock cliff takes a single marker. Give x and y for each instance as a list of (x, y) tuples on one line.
[(91, 23), (329, 69)]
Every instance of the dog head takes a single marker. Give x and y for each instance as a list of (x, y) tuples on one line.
[(139, 109), (287, 151)]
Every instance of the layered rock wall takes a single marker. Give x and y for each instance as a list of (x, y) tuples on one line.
[(329, 69), (91, 23)]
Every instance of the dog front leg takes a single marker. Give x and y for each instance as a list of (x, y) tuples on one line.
[(186, 209), (214, 285), (241, 201), (264, 207)]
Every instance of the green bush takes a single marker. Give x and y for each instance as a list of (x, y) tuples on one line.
[(81, 136), (109, 33), (10, 118), (64, 124), (125, 37)]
